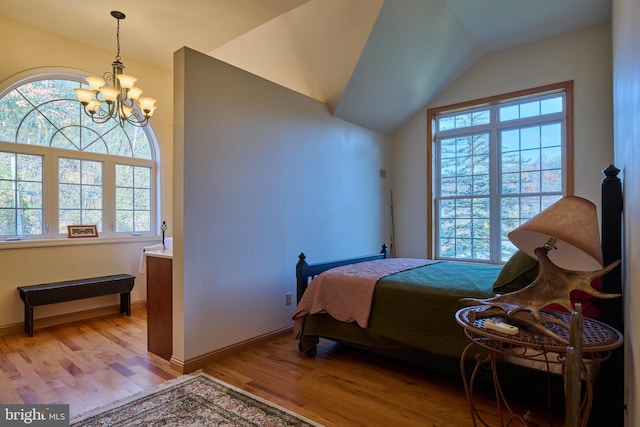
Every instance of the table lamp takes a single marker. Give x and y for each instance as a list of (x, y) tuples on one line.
[(565, 239), (570, 226)]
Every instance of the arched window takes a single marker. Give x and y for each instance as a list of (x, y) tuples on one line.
[(59, 168)]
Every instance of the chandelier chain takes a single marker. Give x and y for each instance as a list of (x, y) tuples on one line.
[(118, 40)]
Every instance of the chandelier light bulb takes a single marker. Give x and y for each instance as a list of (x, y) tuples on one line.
[(146, 104), (95, 83), (126, 111), (134, 93), (84, 95), (110, 94), (126, 80), (93, 106)]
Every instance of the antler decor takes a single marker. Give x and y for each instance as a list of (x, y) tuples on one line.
[(553, 285)]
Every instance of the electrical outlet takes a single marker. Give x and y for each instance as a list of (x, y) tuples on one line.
[(287, 298)]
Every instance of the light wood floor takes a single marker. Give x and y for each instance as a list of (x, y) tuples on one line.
[(91, 363)]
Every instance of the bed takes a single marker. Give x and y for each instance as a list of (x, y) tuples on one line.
[(412, 306), (411, 312)]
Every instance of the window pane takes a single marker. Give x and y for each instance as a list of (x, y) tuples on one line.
[(551, 105), (21, 194), (446, 123), (29, 194), (551, 135), (530, 109), (530, 160), (142, 221), (143, 177), (142, 198), (551, 158), (511, 112), (69, 196), (91, 173), (92, 197), (7, 194), (510, 140), (79, 193), (529, 138), (133, 198), (124, 176), (13, 108), (68, 217), (7, 222), (36, 130), (552, 181), (69, 171), (124, 221), (530, 182), (124, 198)]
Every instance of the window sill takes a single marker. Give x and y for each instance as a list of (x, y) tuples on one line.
[(65, 241)]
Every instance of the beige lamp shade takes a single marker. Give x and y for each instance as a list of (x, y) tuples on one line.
[(573, 221)]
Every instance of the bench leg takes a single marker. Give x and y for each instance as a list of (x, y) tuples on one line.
[(28, 319), (125, 303)]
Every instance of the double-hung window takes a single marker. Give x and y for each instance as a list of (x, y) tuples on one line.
[(497, 163), (59, 168)]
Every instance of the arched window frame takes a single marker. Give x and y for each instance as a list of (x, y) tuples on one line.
[(51, 228)]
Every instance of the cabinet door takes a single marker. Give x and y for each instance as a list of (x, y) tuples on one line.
[(159, 306)]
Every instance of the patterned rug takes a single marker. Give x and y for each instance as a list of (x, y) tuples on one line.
[(192, 400)]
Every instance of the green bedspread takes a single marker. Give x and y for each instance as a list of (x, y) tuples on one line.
[(413, 308)]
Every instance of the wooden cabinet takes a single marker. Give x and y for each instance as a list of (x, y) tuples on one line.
[(160, 305)]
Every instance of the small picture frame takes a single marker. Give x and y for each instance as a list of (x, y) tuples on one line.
[(76, 231)]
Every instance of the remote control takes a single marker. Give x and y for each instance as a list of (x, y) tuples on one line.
[(499, 326)]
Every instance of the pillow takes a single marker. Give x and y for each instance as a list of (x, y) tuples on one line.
[(590, 304), (518, 272)]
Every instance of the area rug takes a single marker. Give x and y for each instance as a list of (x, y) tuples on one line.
[(192, 400)]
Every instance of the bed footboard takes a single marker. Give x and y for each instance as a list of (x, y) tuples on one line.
[(305, 272)]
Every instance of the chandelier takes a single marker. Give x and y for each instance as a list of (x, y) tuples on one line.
[(118, 92)]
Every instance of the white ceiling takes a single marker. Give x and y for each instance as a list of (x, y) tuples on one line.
[(374, 62)]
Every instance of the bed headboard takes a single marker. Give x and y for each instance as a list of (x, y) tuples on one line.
[(611, 239), (610, 380)]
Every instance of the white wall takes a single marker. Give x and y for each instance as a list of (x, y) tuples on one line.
[(626, 104), (583, 56), (267, 173), (25, 49)]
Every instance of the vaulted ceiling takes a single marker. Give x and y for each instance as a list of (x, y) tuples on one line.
[(374, 63)]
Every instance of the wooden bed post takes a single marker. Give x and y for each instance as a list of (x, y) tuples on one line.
[(610, 381), (612, 312), (301, 277), (384, 250)]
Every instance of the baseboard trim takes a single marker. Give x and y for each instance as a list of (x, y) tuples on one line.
[(199, 362), (16, 328)]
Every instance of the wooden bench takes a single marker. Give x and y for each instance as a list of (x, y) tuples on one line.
[(50, 293)]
